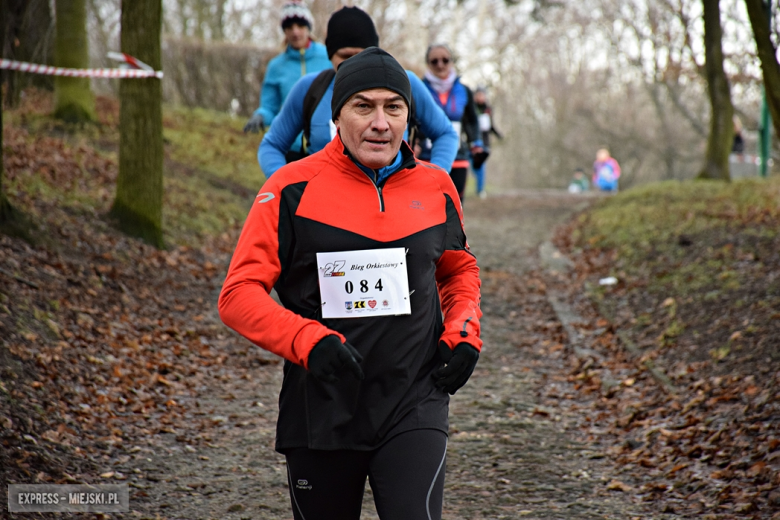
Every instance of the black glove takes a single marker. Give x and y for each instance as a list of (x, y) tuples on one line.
[(460, 364), (479, 156), (255, 124), (330, 356)]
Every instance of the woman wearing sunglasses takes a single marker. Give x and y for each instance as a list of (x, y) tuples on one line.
[(457, 102)]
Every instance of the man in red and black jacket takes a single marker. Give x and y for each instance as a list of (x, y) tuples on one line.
[(366, 250)]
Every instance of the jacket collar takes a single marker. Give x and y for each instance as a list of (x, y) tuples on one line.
[(297, 52)]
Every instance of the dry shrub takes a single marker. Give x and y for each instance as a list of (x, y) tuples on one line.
[(213, 74)]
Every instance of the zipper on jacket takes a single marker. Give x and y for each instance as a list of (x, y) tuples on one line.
[(381, 198), (303, 61), (378, 191), (409, 162)]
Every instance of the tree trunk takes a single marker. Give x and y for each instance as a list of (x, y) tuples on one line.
[(5, 206), (12, 222), (218, 21), (139, 189), (29, 36), (7, 213), (184, 20), (74, 99), (201, 9), (719, 142), (767, 54)]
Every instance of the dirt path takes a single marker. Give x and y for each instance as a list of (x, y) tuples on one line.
[(512, 456), (511, 453)]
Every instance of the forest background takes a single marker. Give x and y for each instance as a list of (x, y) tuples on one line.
[(108, 344), (565, 78)]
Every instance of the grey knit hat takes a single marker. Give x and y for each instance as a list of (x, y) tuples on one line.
[(296, 12)]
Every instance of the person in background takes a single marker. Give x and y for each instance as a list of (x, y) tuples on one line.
[(457, 101), (738, 145), (342, 235), (301, 56), (579, 183), (350, 30), (486, 127), (606, 171)]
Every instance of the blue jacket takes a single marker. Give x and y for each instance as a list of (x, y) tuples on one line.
[(282, 73), (460, 108), (289, 124)]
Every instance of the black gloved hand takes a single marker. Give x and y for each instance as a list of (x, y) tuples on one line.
[(330, 356), (460, 364), (255, 124), (479, 156)]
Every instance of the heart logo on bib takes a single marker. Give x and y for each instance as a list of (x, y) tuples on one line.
[(372, 303)]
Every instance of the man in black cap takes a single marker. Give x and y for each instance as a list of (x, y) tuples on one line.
[(307, 109), (380, 318)]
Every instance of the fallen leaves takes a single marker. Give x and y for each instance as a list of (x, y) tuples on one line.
[(712, 448), (111, 339), (616, 485)]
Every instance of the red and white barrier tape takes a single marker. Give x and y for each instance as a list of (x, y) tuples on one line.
[(35, 68), (128, 61)]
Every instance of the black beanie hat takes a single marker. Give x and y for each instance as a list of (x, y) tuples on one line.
[(350, 27), (372, 68)]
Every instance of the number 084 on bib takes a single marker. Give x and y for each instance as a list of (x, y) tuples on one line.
[(363, 284)]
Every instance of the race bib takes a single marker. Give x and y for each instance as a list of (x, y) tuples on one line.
[(363, 284), (484, 122)]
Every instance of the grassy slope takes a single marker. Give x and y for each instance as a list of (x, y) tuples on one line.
[(211, 171), (697, 263), (649, 224), (698, 299)]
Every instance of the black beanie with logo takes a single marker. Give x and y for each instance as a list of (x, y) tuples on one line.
[(372, 68), (350, 27)]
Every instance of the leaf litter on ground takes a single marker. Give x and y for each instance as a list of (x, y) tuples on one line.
[(104, 341), (701, 311)]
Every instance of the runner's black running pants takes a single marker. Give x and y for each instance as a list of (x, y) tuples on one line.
[(406, 475)]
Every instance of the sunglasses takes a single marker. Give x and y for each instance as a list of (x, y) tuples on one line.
[(435, 61)]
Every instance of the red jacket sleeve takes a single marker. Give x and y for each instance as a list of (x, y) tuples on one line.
[(245, 304), (457, 276)]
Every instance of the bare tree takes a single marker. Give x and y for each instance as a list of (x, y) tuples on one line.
[(565, 77), (139, 190), (767, 52), (716, 162), (6, 210)]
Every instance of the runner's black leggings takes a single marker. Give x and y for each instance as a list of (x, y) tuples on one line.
[(458, 176), (406, 476)]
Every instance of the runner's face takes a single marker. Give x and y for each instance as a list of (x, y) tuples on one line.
[(297, 36), (440, 62), (371, 124), (343, 54)]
